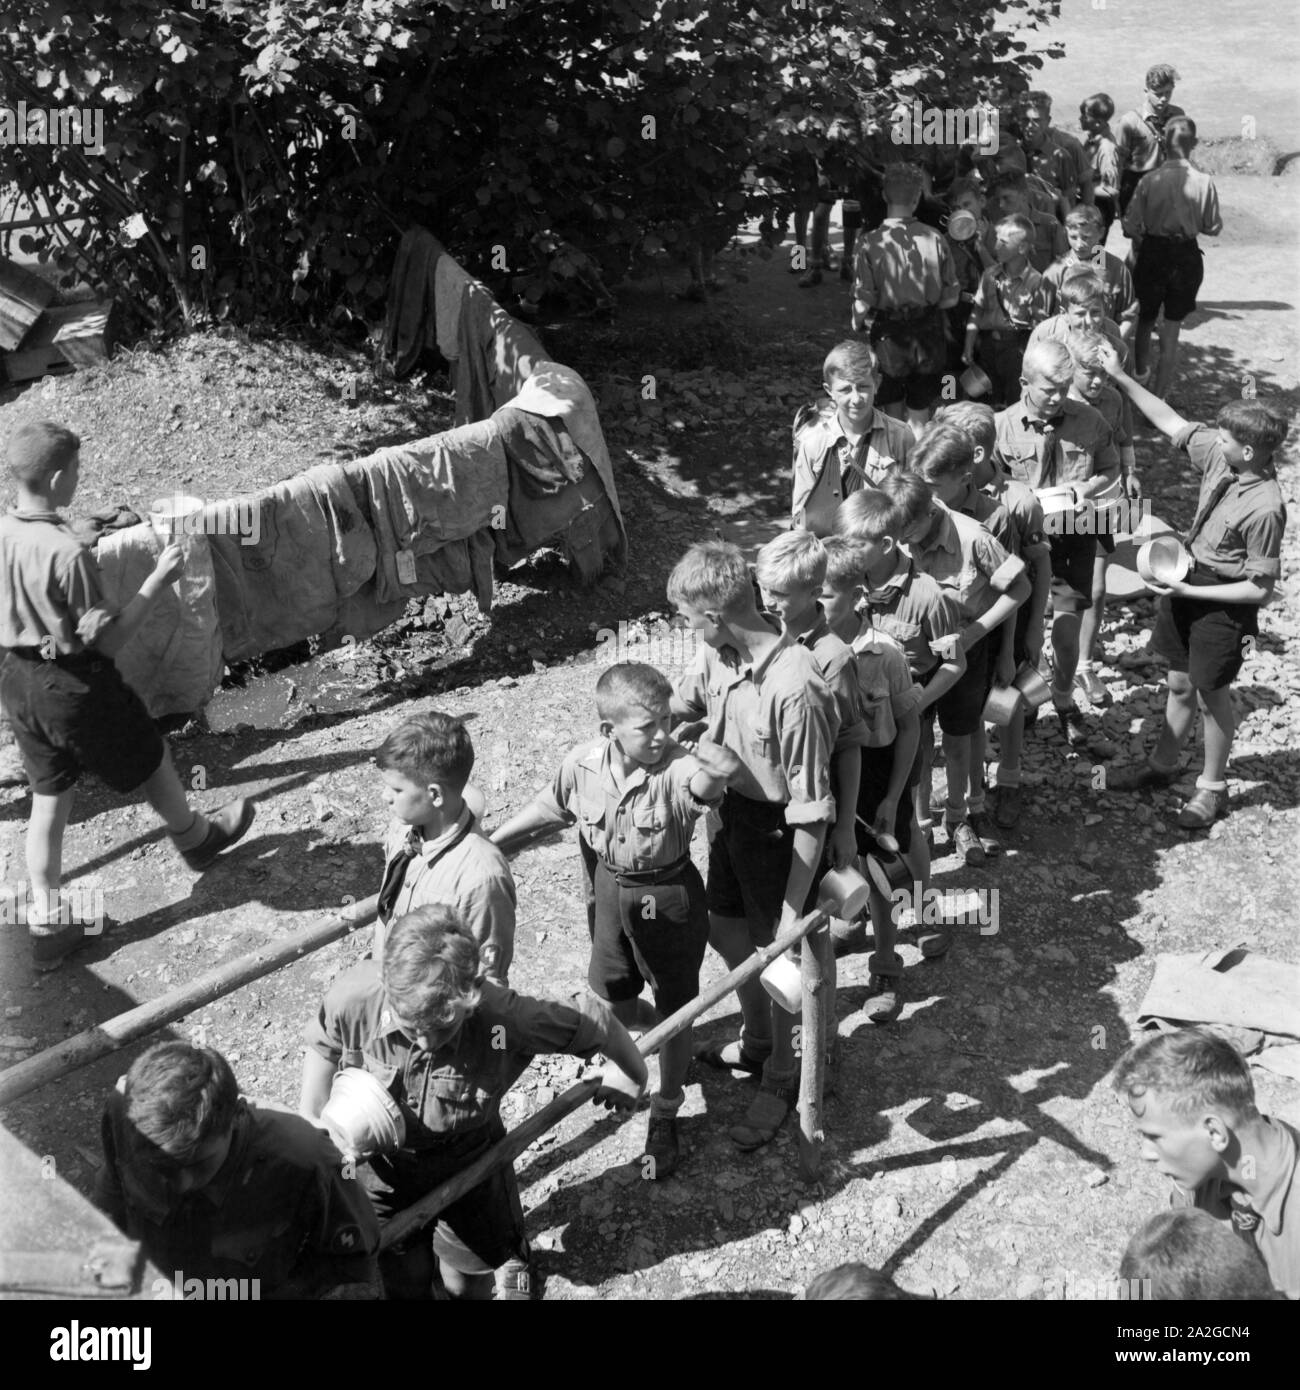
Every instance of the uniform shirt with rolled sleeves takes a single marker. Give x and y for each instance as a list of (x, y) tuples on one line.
[(1114, 409), (457, 1088), (1140, 137), (1104, 159), (834, 658), (1274, 1229), (829, 466), (916, 612), (903, 264), (1011, 301), (645, 824), (1121, 297), (886, 688), (471, 875), (1058, 329), (1050, 241), (1242, 536), (49, 581), (961, 556), (778, 717), (279, 1209), (1085, 446), (1060, 161), (993, 517), (1028, 525), (1174, 201)]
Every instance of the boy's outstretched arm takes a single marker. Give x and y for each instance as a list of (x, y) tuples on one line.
[(523, 825), (317, 1077), (1167, 420), (622, 1052)]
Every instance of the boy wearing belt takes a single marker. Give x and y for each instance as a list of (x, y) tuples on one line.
[(1206, 622), (635, 795)]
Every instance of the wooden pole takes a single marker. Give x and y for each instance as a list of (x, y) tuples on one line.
[(816, 975), (107, 1037), (519, 1138)]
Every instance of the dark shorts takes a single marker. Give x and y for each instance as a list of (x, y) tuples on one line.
[(1106, 206), (913, 355), (749, 865), (877, 768), (1206, 641), (76, 714), (1167, 273), (1018, 649), (480, 1231), (1002, 354), (1128, 182), (650, 933), (1072, 558), (961, 708)]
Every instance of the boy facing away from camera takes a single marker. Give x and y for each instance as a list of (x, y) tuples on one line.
[(70, 710)]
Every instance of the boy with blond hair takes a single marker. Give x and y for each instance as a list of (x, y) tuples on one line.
[(1086, 229)]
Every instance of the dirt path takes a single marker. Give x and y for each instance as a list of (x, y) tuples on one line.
[(973, 1147)]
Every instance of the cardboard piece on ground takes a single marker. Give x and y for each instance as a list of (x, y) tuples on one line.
[(1231, 987), (23, 296), (1122, 577)]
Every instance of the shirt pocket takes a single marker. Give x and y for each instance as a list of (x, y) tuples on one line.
[(1076, 463), (591, 816), (249, 1246), (454, 1101), (762, 744), (876, 714), (651, 825)]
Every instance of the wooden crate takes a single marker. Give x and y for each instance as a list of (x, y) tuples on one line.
[(38, 354), (85, 334), (22, 298)]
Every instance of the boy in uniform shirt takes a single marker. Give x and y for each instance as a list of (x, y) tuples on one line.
[(435, 851), (446, 1044), (1170, 209), (1086, 231), (1054, 155), (1046, 441), (760, 694), (215, 1188), (1009, 304), (1082, 301), (636, 794), (846, 447), (1009, 197), (1092, 386), (915, 611), (69, 708), (988, 584), (1103, 155), (890, 698), (1192, 1099), (1203, 622), (1023, 537), (1139, 134), (904, 281)]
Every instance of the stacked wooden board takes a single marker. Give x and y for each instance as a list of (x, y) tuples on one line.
[(37, 337)]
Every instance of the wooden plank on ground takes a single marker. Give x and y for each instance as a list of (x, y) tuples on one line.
[(22, 298)]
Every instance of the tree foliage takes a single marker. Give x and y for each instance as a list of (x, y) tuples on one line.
[(263, 157)]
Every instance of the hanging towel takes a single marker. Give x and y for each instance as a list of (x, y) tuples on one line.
[(410, 320), (497, 354), (449, 281), (173, 659)]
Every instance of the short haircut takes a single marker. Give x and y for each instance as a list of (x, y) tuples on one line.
[(1084, 214), (1086, 348), (1017, 222), (1161, 75), (1188, 1255), (1049, 356), (1179, 137), (1191, 1071), (1082, 286), (854, 1281), (960, 187), (910, 494), (431, 967), (853, 361), (975, 417), (867, 515), (793, 557), (846, 564), (1035, 100), (433, 746), (941, 451), (35, 452), (1261, 426), (631, 685), (712, 575), (1099, 104), (179, 1097), (903, 182)]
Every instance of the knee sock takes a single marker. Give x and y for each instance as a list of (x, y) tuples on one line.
[(195, 835)]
